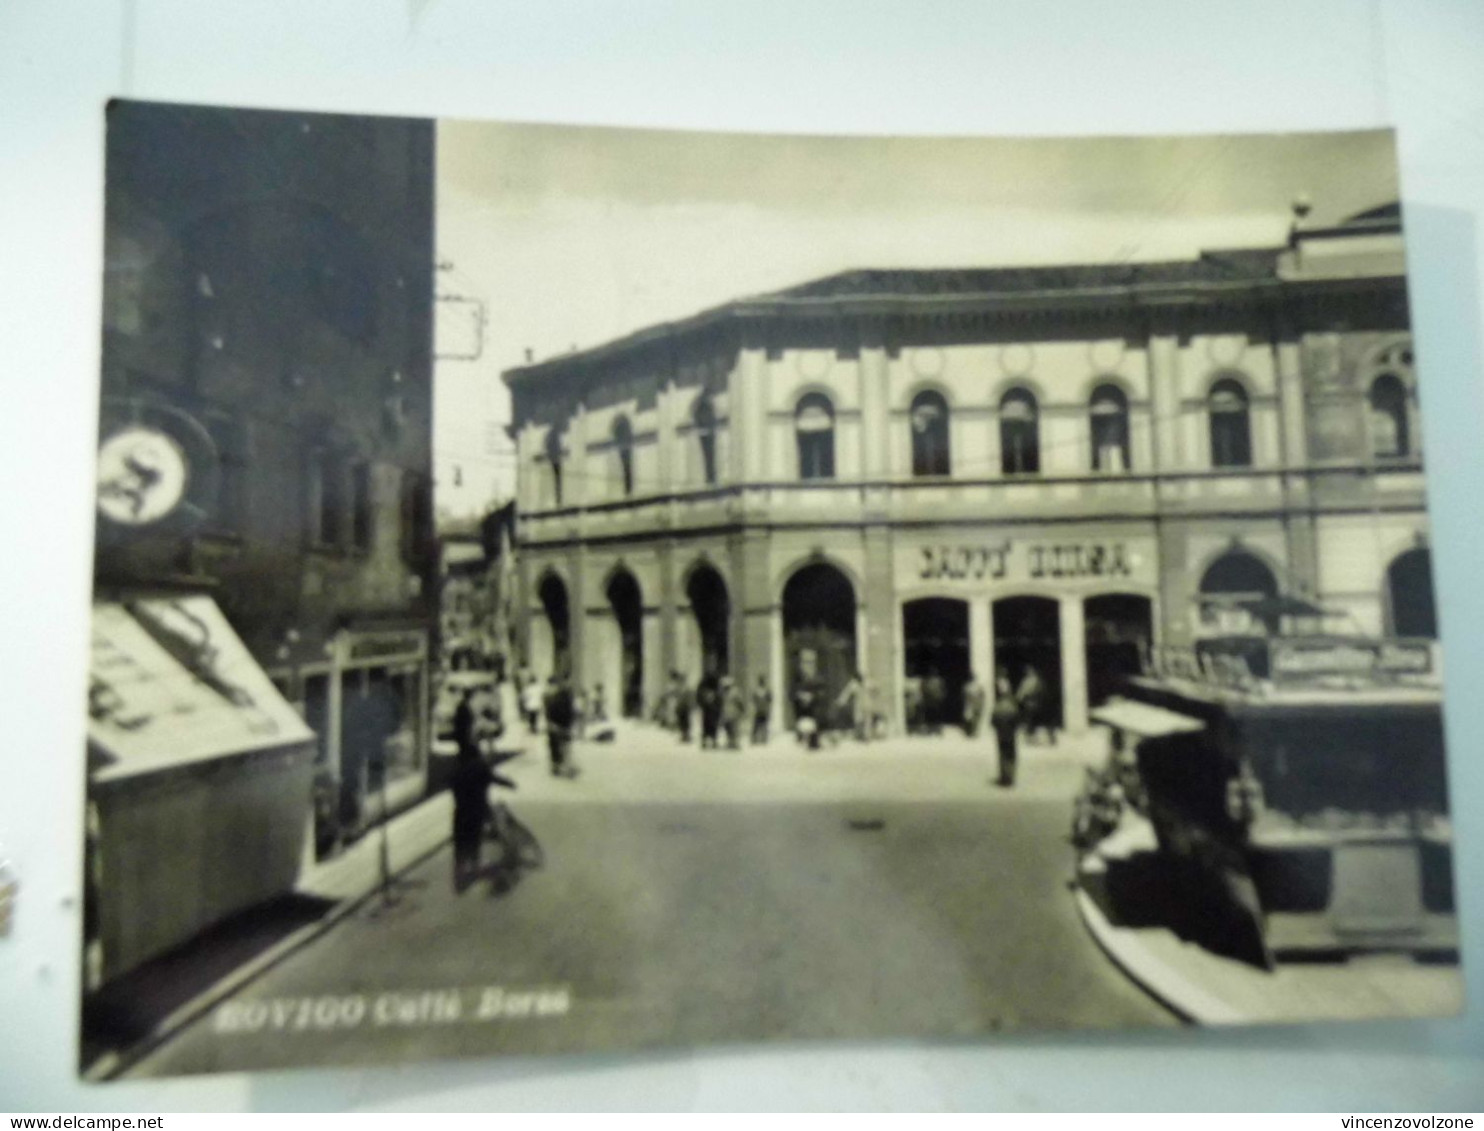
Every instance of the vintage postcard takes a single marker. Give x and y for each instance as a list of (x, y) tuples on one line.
[(567, 589)]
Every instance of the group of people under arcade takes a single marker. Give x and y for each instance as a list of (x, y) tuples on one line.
[(722, 706)]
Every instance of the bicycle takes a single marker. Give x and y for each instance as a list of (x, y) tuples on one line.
[(519, 848)]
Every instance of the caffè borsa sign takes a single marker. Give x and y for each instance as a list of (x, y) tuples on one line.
[(1032, 560)]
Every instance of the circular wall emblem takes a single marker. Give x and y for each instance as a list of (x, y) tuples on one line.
[(1015, 359), (927, 362), (142, 476)]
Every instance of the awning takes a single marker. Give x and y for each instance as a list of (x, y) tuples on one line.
[(1144, 720), (171, 684)]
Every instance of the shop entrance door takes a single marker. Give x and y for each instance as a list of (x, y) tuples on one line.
[(712, 610), (553, 596), (628, 614), (935, 633), (1119, 630), (819, 635), (1027, 634)]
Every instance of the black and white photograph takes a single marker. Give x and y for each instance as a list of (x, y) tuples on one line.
[(569, 589)]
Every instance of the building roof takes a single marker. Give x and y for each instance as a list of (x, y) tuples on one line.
[(1220, 267), (901, 290)]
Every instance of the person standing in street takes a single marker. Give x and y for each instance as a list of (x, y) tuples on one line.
[(708, 700), (1035, 704), (807, 710), (851, 706), (561, 714), (469, 783), (530, 703), (732, 709), (973, 706), (762, 711), (684, 706), (1004, 720)]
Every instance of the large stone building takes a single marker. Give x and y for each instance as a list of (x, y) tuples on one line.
[(946, 471)]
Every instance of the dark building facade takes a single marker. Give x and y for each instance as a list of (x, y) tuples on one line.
[(268, 329), (929, 473)]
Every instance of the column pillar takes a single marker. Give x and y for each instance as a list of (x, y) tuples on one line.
[(578, 636), (875, 402), (1300, 534), (521, 607), (981, 642), (1073, 665), (747, 413), (667, 606), (1176, 586), (666, 436), (1164, 401), (877, 653), (752, 607)]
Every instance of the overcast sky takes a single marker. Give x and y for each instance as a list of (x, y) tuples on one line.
[(571, 237)]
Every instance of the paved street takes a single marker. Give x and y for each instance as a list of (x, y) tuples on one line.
[(711, 896)]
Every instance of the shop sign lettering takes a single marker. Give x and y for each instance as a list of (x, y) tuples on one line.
[(1079, 560), (380, 647), (1040, 561), (961, 563)]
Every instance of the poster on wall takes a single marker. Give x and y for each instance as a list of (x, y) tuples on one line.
[(565, 589)]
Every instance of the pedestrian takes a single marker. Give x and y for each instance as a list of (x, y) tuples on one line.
[(465, 722), (469, 783), (1035, 705), (596, 704), (561, 715), (531, 703), (807, 695), (851, 705), (732, 709), (684, 705), (912, 704), (1004, 720), (875, 711), (973, 706), (762, 711), (708, 700), (934, 701)]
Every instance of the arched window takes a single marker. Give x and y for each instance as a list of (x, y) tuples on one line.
[(623, 444), (1390, 437), (1020, 433), (814, 427), (1410, 595), (554, 456), (1231, 426), (1233, 591), (704, 416), (930, 453), (1108, 420)]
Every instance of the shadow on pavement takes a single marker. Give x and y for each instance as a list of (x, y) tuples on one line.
[(1153, 890), (129, 1008)]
